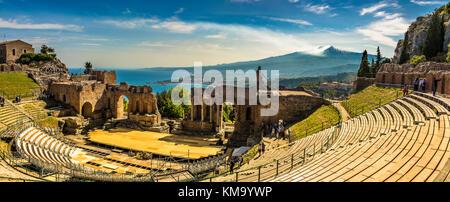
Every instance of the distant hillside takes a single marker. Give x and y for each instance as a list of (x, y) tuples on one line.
[(298, 64), (345, 77)]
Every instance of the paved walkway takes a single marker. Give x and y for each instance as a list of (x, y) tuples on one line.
[(344, 114), (9, 172)]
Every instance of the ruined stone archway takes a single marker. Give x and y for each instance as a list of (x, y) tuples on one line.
[(86, 110), (123, 106)]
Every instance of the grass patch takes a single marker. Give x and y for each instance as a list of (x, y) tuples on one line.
[(49, 122), (370, 98), (324, 117), (14, 84)]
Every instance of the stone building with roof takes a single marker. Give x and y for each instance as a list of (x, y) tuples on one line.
[(10, 51)]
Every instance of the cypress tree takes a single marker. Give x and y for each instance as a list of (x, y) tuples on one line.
[(364, 66), (404, 57), (435, 38), (378, 61)]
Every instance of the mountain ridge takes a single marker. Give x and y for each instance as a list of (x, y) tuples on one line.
[(296, 64)]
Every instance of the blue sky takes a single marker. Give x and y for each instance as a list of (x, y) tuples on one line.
[(156, 33)]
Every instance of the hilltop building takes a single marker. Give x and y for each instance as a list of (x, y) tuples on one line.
[(10, 51)]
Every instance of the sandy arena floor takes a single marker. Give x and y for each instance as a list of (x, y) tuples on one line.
[(157, 143)]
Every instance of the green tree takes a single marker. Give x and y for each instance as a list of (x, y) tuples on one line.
[(364, 66), (418, 59), (378, 61), (404, 57), (167, 108), (88, 68), (435, 37), (46, 49)]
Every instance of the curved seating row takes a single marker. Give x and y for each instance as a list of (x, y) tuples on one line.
[(386, 144), (40, 146)]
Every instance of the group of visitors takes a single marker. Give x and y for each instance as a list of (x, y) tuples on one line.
[(420, 84), (2, 101), (51, 70), (18, 99), (46, 95), (276, 130)]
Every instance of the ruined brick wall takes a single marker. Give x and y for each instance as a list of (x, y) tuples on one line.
[(99, 100), (293, 108), (106, 77), (361, 83), (11, 68), (400, 75)]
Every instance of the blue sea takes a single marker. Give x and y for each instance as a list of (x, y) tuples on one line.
[(139, 77)]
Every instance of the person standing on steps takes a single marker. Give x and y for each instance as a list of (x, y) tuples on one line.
[(424, 85), (435, 83), (405, 90), (416, 84)]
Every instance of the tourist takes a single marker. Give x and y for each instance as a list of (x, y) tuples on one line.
[(241, 159), (424, 84), (416, 84), (404, 90), (263, 147), (217, 169), (260, 149), (2, 101), (435, 83), (231, 165)]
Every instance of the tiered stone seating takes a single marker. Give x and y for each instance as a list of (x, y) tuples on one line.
[(9, 115), (43, 147), (408, 151), (34, 108)]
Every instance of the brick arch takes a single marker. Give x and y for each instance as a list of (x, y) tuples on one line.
[(87, 110)]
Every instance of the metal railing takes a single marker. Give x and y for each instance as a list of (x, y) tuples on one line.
[(272, 169), (285, 163)]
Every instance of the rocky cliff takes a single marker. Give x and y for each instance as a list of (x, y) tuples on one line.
[(417, 33)]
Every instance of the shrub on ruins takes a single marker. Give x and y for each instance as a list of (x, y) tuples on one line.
[(228, 112), (28, 58), (418, 59)]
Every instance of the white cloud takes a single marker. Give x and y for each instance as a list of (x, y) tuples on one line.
[(387, 15), (378, 6), (318, 9), (179, 11), (293, 1), (295, 21), (175, 26), (172, 24), (13, 24), (153, 44), (89, 44), (383, 30), (216, 36), (131, 24), (427, 2)]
